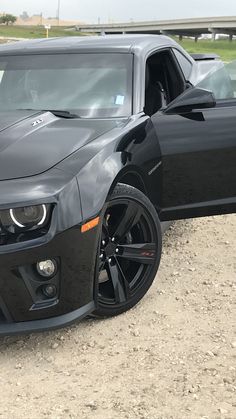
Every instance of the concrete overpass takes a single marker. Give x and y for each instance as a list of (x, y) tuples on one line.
[(181, 27)]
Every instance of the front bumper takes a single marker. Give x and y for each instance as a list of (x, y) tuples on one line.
[(46, 324), (22, 307)]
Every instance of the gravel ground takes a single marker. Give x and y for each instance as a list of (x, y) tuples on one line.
[(172, 356)]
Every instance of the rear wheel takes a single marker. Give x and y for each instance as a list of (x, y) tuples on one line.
[(130, 250)]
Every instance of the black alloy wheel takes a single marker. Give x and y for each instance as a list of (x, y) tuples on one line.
[(130, 250)]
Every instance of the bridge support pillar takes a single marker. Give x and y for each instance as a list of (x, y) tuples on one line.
[(230, 37), (213, 34), (196, 39), (180, 38)]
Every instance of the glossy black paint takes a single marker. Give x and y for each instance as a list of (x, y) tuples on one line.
[(76, 287), (192, 98), (132, 149), (185, 164), (40, 146), (198, 162)]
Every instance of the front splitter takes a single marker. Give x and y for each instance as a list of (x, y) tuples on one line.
[(64, 320)]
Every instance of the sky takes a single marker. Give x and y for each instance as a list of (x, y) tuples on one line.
[(121, 10)]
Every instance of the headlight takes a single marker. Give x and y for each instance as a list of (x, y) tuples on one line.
[(25, 216), (16, 220)]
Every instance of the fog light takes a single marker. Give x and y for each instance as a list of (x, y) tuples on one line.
[(47, 268), (50, 290)]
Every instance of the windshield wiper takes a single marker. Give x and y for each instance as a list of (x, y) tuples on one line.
[(56, 112), (62, 114)]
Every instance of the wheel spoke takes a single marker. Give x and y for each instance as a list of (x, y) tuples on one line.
[(129, 219), (119, 282), (144, 253), (128, 253)]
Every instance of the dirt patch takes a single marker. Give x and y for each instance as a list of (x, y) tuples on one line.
[(172, 356)]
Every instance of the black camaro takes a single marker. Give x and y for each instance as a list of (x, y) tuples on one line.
[(101, 139)]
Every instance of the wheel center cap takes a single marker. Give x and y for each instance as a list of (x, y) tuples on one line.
[(110, 249)]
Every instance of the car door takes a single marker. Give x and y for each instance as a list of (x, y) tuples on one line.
[(199, 154)]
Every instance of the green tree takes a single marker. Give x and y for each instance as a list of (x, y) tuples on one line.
[(6, 19)]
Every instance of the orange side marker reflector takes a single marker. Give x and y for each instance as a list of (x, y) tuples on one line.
[(91, 224)]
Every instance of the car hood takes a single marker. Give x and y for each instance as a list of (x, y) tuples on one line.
[(33, 142)]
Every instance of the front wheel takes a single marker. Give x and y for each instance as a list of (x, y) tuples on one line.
[(130, 251)]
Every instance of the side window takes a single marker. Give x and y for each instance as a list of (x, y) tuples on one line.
[(164, 81), (221, 81), (184, 63)]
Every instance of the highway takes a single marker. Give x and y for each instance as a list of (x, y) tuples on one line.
[(184, 27)]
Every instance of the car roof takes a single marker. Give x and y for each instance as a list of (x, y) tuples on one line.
[(137, 44)]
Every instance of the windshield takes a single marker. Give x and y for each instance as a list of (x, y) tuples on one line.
[(88, 85)]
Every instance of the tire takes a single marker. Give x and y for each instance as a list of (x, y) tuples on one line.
[(130, 251)]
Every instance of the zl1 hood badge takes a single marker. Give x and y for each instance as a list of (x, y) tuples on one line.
[(37, 122)]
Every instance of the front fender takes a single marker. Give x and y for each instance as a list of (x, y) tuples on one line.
[(96, 179), (134, 151), (131, 147)]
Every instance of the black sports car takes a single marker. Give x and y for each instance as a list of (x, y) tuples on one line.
[(102, 138)]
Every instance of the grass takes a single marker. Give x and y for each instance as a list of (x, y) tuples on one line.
[(225, 49), (34, 31)]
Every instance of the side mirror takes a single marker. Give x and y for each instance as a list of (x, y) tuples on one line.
[(192, 98)]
